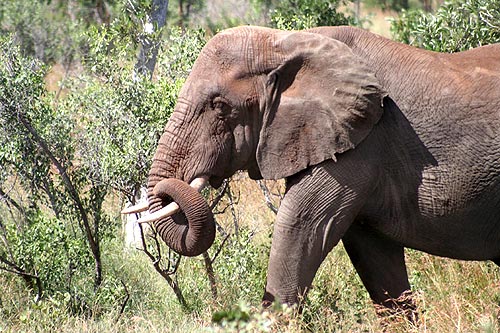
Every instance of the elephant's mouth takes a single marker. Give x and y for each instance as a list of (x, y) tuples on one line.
[(186, 224), (172, 208), (216, 181)]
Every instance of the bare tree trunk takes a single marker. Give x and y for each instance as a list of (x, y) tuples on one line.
[(427, 5), (149, 44), (102, 11)]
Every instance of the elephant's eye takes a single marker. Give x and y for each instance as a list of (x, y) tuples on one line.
[(221, 107)]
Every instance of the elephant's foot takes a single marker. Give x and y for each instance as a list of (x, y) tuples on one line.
[(396, 310), (267, 300)]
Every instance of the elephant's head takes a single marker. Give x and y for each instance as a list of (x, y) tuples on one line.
[(267, 101)]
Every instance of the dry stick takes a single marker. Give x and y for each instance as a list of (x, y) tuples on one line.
[(220, 248), (210, 268), (206, 257), (125, 301), (216, 201), (233, 211), (211, 275), (5, 242), (267, 196), (5, 196), (28, 278), (164, 273), (10, 201)]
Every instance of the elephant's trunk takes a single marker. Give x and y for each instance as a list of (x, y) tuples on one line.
[(191, 231)]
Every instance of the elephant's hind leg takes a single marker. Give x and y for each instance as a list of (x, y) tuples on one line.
[(380, 264)]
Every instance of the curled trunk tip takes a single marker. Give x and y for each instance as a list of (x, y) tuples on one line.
[(191, 232)]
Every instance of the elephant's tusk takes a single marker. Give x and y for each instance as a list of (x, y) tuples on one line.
[(168, 210), (198, 184), (137, 208)]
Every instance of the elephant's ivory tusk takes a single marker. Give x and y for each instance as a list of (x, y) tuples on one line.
[(137, 208), (198, 184), (168, 210)]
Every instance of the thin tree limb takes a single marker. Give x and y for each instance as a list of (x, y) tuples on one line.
[(267, 196), (11, 201), (125, 301), (93, 243), (27, 277), (211, 274)]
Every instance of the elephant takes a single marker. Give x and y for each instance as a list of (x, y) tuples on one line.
[(382, 145)]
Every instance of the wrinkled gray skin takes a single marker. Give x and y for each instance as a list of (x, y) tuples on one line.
[(382, 145)]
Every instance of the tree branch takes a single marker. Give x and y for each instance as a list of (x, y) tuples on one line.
[(27, 277), (11, 201), (267, 196), (211, 274), (165, 273), (94, 245)]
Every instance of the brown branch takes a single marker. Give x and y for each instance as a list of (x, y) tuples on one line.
[(267, 196), (27, 277), (93, 243), (11, 201), (125, 301), (165, 273), (233, 211), (220, 248), (210, 268), (211, 274), (220, 194)]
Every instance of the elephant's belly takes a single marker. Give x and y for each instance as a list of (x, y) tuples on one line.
[(455, 221), (471, 232), (467, 240)]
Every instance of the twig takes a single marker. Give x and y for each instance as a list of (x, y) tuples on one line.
[(267, 196), (26, 276), (216, 201), (125, 301), (220, 194), (220, 248), (165, 273), (4, 196), (211, 275), (233, 211)]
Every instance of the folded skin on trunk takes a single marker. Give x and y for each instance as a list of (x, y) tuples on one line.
[(191, 231)]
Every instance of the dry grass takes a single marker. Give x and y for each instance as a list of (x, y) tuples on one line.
[(452, 296)]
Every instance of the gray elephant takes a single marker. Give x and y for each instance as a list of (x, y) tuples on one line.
[(382, 145)]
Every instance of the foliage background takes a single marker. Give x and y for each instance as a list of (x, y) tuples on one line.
[(78, 128)]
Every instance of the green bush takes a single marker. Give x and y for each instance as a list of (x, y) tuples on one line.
[(304, 14), (457, 25), (121, 115), (46, 247)]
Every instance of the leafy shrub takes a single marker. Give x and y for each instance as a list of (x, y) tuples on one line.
[(457, 25), (46, 247), (304, 14), (43, 30), (121, 115)]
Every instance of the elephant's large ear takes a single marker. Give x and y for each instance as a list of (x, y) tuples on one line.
[(321, 100)]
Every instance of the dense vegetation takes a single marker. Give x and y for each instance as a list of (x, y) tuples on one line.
[(78, 126)]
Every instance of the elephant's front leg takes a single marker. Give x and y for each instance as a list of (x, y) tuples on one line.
[(319, 206)]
